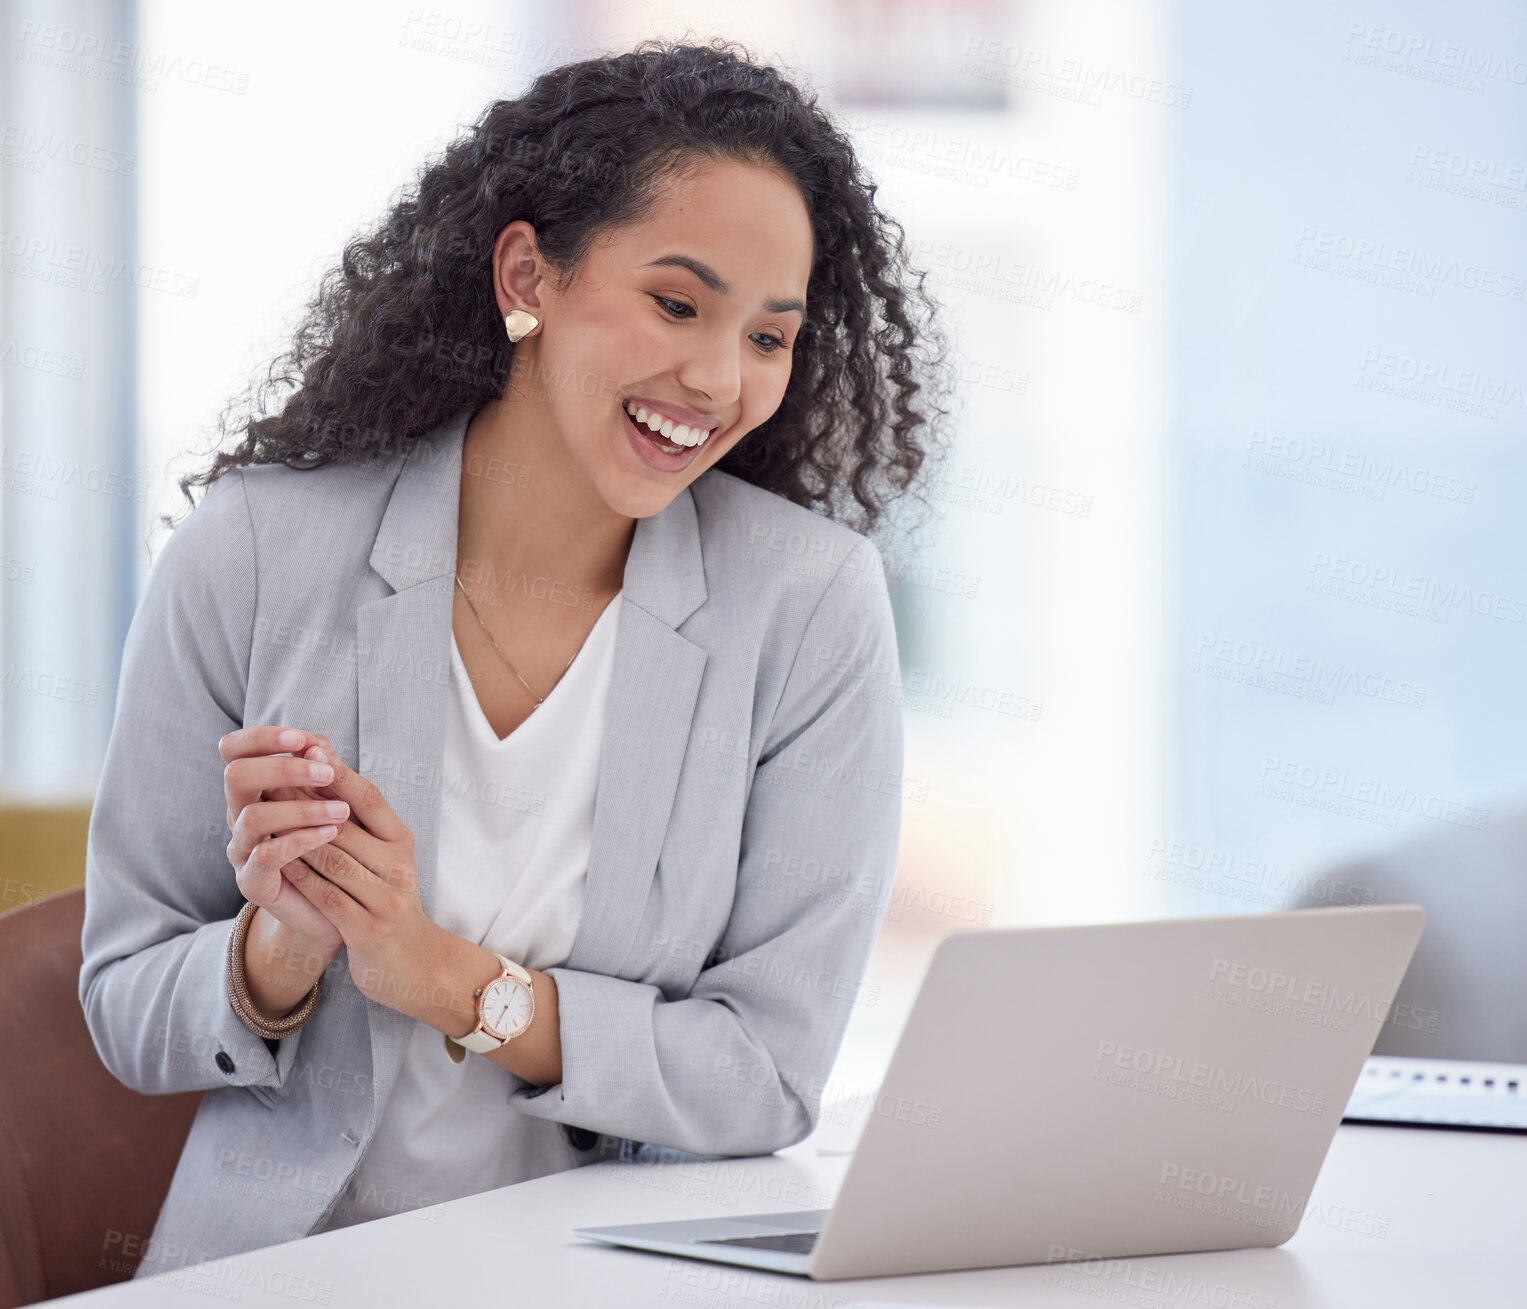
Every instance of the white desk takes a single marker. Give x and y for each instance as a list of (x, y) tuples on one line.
[(1399, 1217)]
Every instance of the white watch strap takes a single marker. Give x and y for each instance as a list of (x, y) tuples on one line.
[(515, 970), (479, 1041)]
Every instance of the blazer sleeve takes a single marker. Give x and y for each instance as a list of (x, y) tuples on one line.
[(738, 1066), (160, 894)]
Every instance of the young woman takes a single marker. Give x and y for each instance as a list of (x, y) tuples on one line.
[(551, 666)]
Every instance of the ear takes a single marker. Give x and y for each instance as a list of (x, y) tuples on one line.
[(519, 273)]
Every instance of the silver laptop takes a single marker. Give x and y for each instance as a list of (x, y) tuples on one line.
[(1094, 1092)]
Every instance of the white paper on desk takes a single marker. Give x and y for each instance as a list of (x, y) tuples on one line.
[(1440, 1093)]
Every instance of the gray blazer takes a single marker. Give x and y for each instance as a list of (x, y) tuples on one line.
[(745, 833)]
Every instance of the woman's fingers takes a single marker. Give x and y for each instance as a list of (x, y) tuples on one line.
[(276, 892), (304, 918), (368, 805), (259, 872), (268, 739), (277, 815), (311, 791), (246, 778), (265, 818)]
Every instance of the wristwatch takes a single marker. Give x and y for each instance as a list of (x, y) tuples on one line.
[(505, 1006)]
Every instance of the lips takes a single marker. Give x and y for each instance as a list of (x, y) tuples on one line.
[(647, 432), (669, 429), (650, 448)]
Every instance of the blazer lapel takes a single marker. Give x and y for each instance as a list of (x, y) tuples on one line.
[(404, 650), (653, 690), (404, 671)]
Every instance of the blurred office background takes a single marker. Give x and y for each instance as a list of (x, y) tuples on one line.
[(1226, 609)]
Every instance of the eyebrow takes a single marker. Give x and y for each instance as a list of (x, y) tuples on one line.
[(712, 279)]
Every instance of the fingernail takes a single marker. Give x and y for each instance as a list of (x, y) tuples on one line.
[(290, 739), (336, 809), (321, 772)]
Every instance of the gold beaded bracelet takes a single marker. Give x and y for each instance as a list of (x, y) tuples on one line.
[(238, 990)]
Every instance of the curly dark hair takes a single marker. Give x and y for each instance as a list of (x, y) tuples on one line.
[(406, 332)]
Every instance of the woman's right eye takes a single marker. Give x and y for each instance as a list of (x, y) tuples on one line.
[(670, 306)]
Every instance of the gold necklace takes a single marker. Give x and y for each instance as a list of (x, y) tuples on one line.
[(540, 700)]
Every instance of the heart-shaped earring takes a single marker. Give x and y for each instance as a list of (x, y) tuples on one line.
[(519, 324)]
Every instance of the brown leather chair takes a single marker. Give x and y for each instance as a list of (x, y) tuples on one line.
[(84, 1162)]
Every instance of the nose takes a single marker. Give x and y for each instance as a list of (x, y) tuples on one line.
[(714, 370)]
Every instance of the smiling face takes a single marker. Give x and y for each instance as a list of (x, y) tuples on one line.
[(687, 317)]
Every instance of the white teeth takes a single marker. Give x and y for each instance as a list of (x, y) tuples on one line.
[(674, 433)]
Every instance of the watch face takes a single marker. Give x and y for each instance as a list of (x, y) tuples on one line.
[(506, 1007)]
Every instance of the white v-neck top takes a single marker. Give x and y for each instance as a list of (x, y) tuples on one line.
[(516, 820)]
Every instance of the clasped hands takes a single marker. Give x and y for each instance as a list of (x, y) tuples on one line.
[(324, 853)]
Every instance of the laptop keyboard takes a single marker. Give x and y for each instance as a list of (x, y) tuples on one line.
[(789, 1242)]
